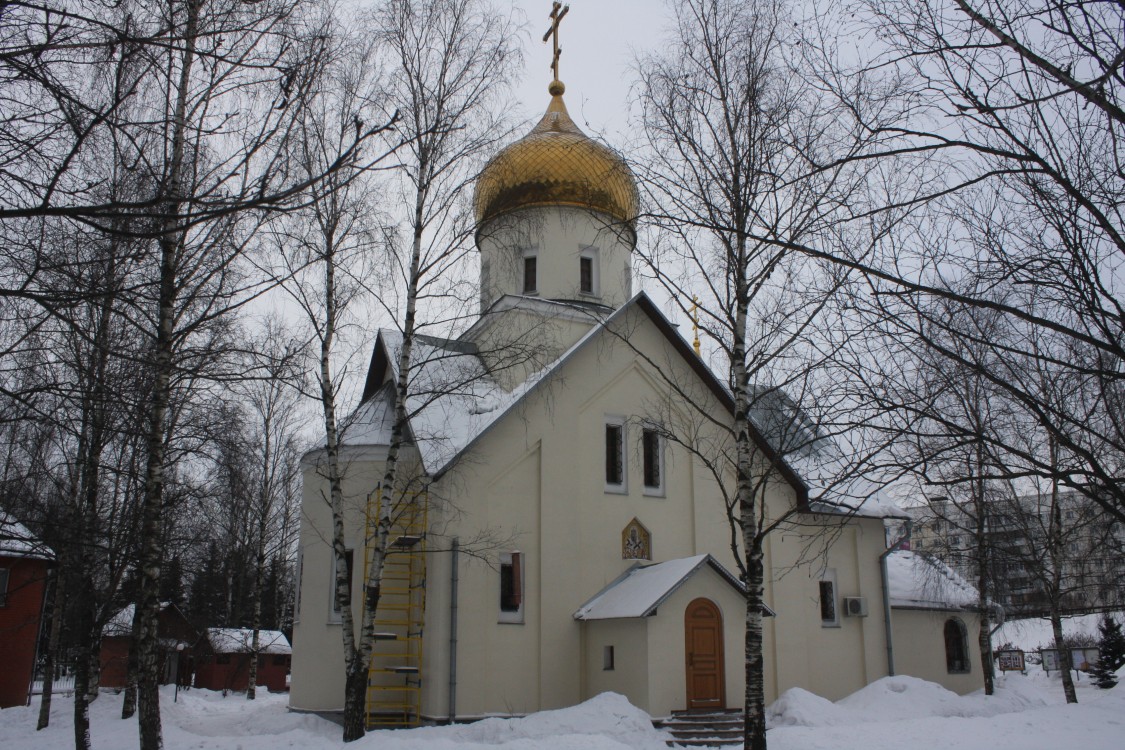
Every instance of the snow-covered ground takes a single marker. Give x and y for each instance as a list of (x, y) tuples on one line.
[(1034, 633), (1027, 713)]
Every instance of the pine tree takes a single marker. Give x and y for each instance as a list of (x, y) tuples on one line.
[(1111, 653)]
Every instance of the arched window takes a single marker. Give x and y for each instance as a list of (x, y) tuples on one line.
[(956, 647)]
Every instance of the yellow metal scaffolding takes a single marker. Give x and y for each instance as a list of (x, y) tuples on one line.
[(394, 675)]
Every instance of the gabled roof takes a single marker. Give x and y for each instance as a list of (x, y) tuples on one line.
[(445, 425), (241, 641), (121, 624), (17, 541), (643, 588), (919, 581)]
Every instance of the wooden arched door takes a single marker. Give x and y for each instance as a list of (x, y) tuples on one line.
[(703, 649)]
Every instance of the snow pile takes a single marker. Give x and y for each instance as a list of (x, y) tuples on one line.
[(607, 722), (900, 698), (797, 707), (1034, 633)]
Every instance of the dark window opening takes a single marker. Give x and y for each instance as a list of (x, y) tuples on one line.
[(956, 647), (828, 602), (607, 658), (614, 454), (650, 440), (511, 586), (279, 661), (3, 587), (222, 658), (586, 274), (529, 274)]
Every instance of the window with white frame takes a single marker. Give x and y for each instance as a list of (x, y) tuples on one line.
[(616, 470), (511, 586), (588, 271), (652, 453), (829, 613)]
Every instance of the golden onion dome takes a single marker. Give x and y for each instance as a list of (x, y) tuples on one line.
[(556, 164)]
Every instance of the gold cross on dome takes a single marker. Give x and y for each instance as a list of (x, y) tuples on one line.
[(558, 11)]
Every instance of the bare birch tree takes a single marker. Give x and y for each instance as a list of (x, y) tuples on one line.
[(1011, 124), (732, 140)]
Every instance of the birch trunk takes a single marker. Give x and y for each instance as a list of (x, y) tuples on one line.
[(58, 597), (984, 579), (354, 668), (152, 511)]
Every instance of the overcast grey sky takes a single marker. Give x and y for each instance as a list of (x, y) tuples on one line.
[(599, 39)]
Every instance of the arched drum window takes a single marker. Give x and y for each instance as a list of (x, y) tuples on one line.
[(956, 647)]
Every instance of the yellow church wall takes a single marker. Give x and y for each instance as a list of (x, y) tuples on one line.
[(557, 237), (632, 657), (536, 480), (318, 663), (919, 642), (831, 661), (668, 685)]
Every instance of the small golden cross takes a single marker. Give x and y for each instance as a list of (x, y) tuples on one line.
[(558, 11)]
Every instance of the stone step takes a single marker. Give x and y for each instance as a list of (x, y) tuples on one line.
[(710, 729)]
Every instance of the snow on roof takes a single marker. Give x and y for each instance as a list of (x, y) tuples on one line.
[(643, 588), (121, 624), (917, 580), (17, 541), (454, 400), (836, 484), (241, 640)]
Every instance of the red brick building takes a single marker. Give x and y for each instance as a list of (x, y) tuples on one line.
[(223, 659), (176, 643), (24, 562)]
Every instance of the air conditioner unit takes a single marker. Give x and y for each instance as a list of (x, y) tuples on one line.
[(855, 606)]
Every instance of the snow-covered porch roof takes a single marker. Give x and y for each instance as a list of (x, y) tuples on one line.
[(641, 589)]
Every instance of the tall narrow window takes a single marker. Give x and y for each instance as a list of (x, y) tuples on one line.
[(485, 284), (586, 274), (956, 647), (511, 587), (530, 274), (829, 616), (615, 456), (3, 587), (653, 458), (349, 556)]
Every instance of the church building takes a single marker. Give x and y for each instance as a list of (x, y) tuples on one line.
[(559, 543)]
